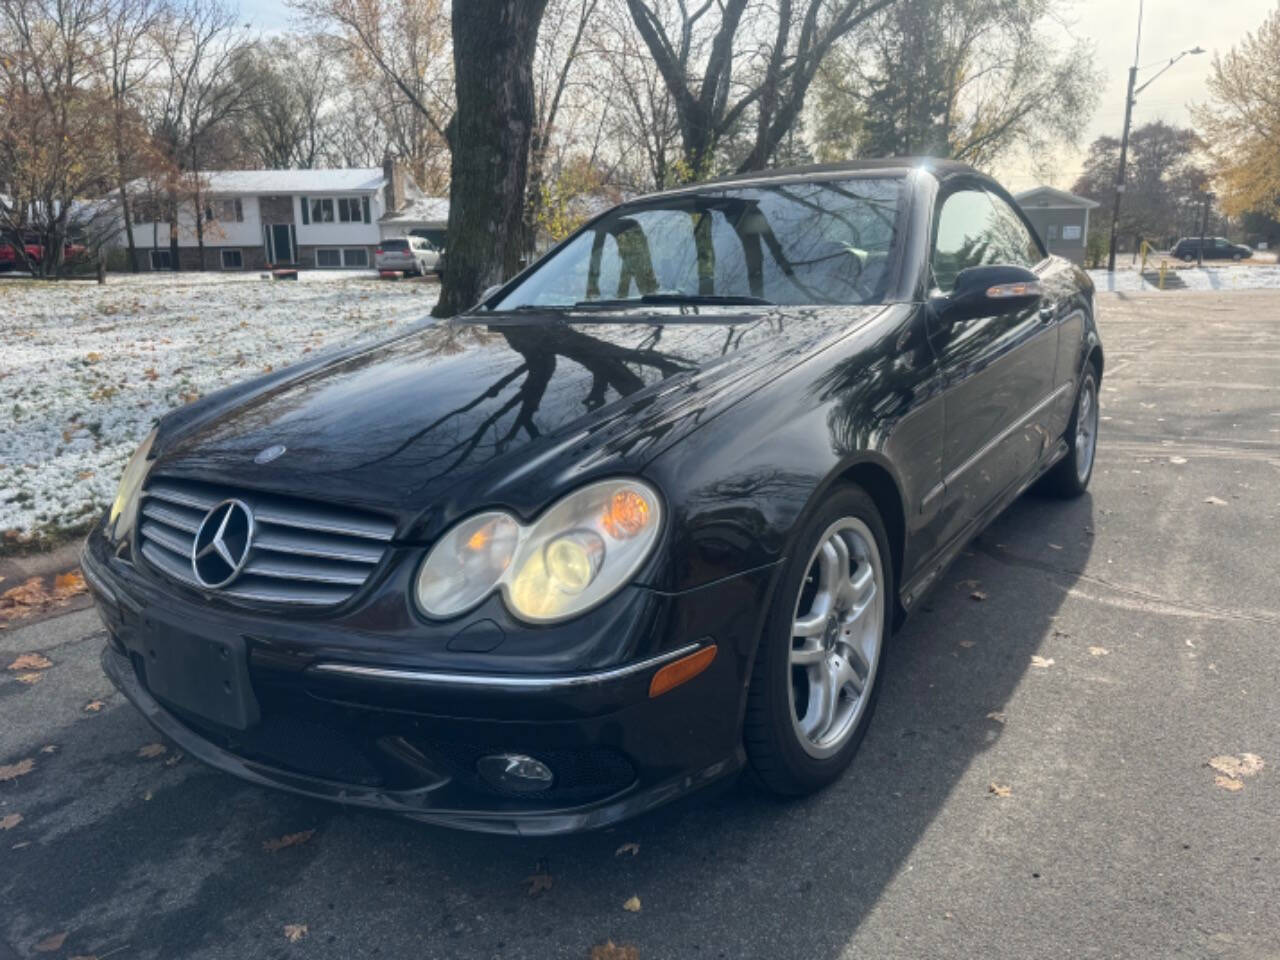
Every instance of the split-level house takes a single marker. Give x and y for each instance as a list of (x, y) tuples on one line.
[(256, 218)]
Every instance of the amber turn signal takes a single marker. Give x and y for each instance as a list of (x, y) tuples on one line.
[(683, 670)]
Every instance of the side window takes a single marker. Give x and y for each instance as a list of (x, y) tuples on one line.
[(975, 228), (1016, 243), (964, 236)]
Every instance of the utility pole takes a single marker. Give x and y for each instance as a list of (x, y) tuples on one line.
[(1129, 96), (1124, 156), (1204, 228)]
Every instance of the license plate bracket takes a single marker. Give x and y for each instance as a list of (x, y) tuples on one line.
[(209, 678)]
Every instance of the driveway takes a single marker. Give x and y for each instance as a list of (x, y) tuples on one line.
[(1036, 782)]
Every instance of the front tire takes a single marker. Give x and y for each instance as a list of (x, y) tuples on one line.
[(816, 674), (1070, 476)]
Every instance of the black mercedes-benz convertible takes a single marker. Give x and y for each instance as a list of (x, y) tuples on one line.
[(646, 516)]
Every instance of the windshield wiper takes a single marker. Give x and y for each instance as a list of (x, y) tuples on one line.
[(678, 300)]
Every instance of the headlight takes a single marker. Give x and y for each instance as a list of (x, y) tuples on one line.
[(577, 554), (124, 509)]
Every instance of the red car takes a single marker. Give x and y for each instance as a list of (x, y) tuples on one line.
[(9, 258)]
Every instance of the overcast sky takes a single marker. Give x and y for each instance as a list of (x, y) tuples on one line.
[(1168, 27)]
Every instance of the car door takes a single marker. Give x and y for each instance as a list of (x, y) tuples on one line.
[(997, 371)]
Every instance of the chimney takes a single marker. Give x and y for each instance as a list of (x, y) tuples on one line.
[(394, 191)]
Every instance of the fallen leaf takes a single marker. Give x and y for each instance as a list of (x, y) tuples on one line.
[(93, 706), (632, 905), (1227, 783), (1042, 662), (31, 661), (614, 951), (151, 374), (293, 932), (29, 678), (1216, 501), (999, 716), (1098, 651), (13, 771), (288, 840), (69, 583), (151, 750), (966, 643), (631, 848), (539, 882), (49, 748), (9, 821), (1245, 765), (190, 397), (978, 595), (1000, 790), (51, 943), (174, 760), (1054, 546)]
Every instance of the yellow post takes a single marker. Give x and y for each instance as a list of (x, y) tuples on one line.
[(1164, 265)]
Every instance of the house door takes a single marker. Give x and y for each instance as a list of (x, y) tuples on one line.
[(281, 243)]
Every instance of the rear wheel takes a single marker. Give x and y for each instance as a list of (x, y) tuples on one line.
[(1070, 475), (816, 674)]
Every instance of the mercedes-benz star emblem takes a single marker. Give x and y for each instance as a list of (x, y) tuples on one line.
[(222, 544), (273, 452)]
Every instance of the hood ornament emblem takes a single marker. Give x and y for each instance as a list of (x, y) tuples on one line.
[(222, 544), (273, 452)]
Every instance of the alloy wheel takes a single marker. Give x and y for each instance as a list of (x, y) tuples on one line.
[(836, 634), (1086, 428)]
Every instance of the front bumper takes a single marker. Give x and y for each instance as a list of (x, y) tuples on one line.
[(330, 724)]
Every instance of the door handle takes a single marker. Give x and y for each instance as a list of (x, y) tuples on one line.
[(1047, 312)]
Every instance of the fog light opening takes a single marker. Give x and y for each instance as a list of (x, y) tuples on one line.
[(515, 773)]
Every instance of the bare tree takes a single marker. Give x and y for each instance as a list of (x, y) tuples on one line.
[(129, 59), (289, 85), (200, 47), (560, 41), (766, 82), (56, 142)]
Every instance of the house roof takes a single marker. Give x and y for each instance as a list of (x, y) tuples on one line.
[(421, 210), (1052, 197), (351, 180)]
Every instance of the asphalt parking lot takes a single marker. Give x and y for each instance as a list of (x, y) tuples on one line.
[(1036, 782)]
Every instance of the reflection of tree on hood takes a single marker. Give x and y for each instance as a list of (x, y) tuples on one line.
[(611, 367)]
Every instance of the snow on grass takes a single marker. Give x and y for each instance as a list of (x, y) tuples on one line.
[(1264, 277), (86, 370)]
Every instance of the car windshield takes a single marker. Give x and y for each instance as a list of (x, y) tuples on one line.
[(817, 243), (395, 244)]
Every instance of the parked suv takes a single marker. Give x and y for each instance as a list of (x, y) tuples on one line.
[(1215, 248), (413, 255)]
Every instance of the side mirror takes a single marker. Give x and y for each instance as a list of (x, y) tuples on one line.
[(988, 291)]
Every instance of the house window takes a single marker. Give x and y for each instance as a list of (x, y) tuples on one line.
[(355, 257), (224, 211), (232, 260), (161, 260), (328, 258), (147, 211), (322, 210), (349, 210)]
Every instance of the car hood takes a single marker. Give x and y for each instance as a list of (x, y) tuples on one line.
[(505, 411)]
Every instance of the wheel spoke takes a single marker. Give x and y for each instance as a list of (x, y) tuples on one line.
[(859, 591), (822, 703), (844, 676), (807, 654)]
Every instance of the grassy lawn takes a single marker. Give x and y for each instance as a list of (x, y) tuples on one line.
[(86, 370)]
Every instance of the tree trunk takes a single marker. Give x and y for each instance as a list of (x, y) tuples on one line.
[(493, 43), (127, 214)]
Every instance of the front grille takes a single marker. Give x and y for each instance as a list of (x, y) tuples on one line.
[(302, 552)]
